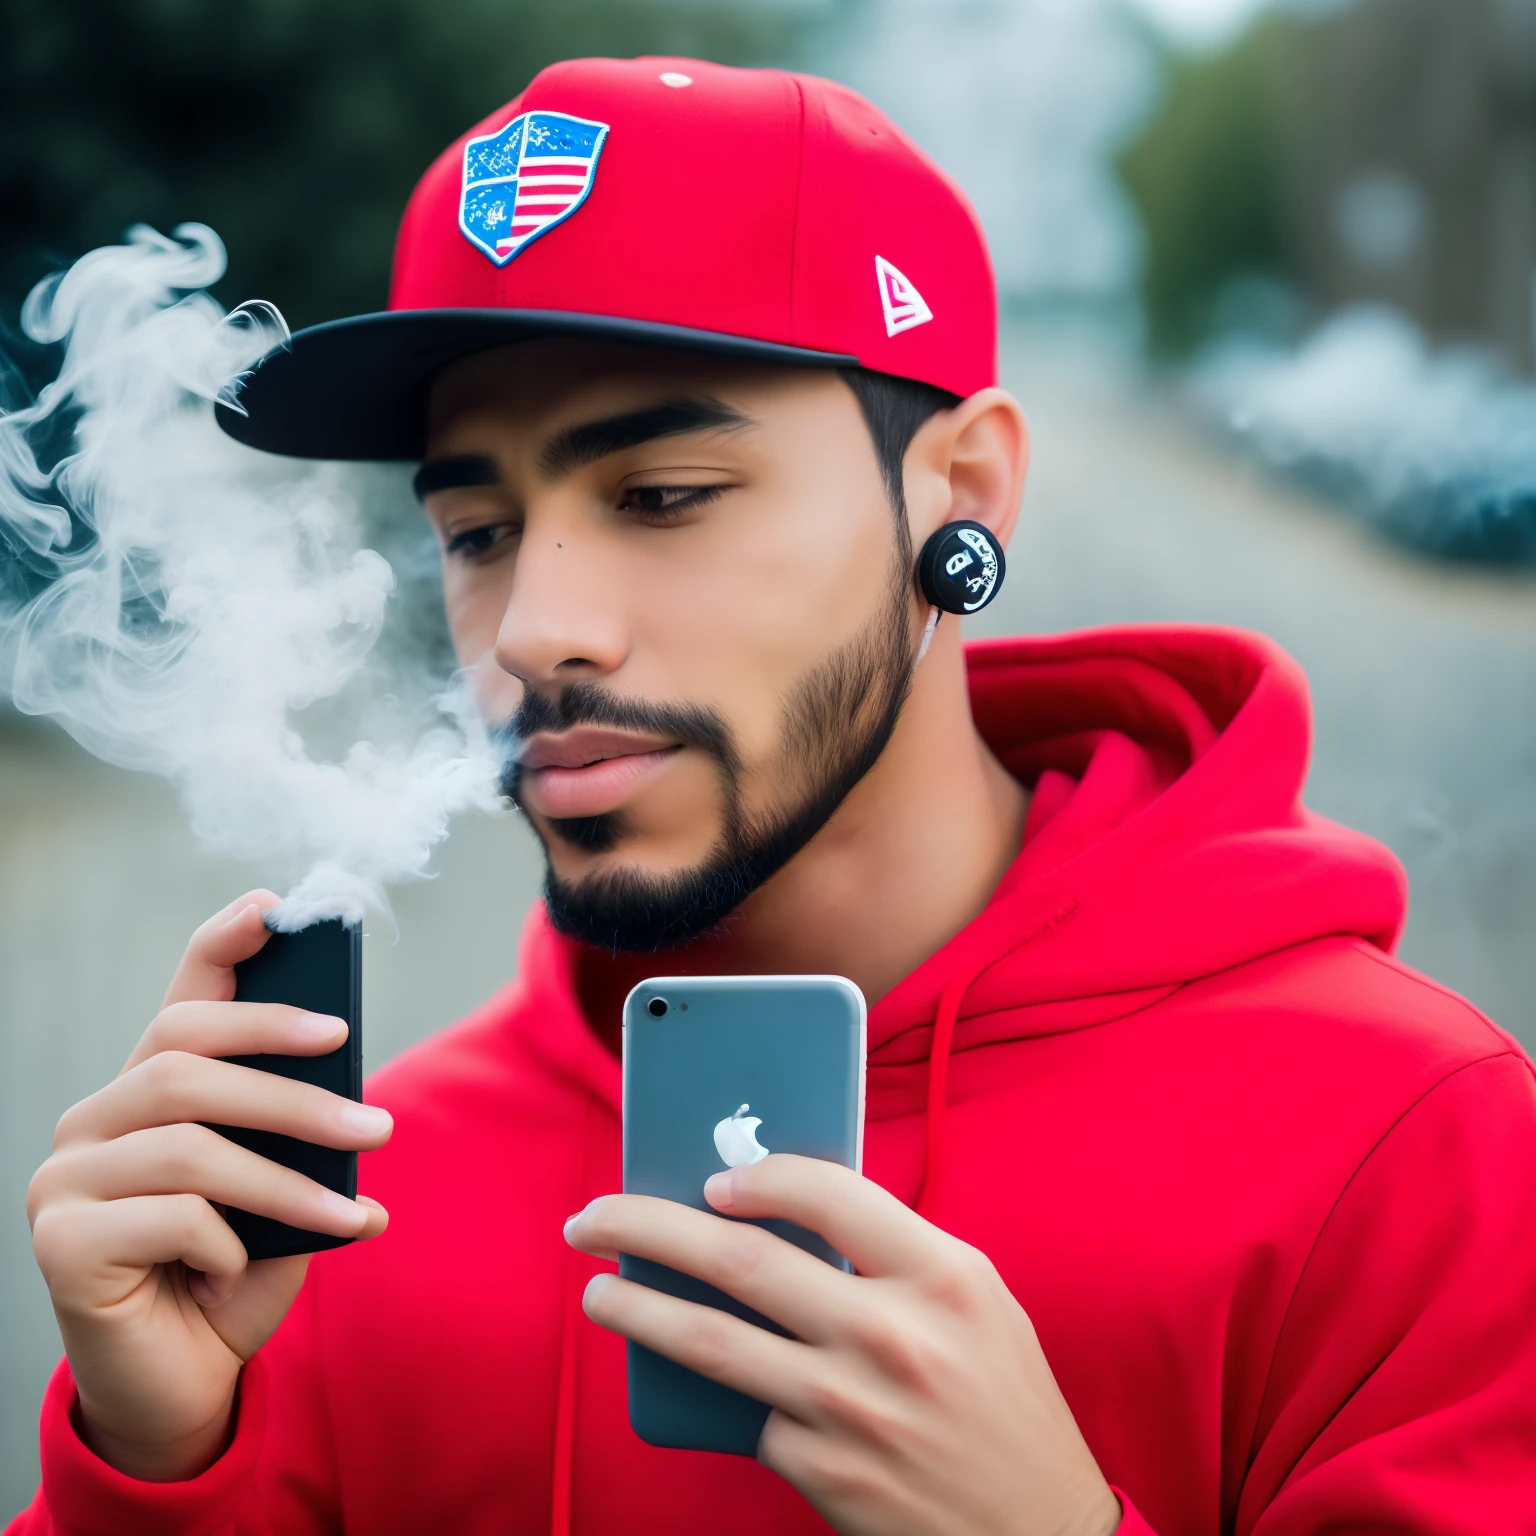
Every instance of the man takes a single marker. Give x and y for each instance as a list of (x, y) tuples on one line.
[(1188, 1208)]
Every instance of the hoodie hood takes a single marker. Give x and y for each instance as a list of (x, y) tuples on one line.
[(1166, 841)]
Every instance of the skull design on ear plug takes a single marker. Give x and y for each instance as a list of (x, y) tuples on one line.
[(961, 567)]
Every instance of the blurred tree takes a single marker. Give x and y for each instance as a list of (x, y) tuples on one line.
[(1207, 173), (296, 128)]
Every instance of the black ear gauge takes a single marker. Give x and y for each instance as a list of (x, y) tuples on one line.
[(961, 567)]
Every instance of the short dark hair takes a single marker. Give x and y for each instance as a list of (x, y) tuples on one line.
[(893, 410)]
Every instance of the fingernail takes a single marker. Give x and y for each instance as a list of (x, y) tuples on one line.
[(319, 1026), (595, 1287), (570, 1221), (244, 912), (719, 1189), (364, 1119), (343, 1209)]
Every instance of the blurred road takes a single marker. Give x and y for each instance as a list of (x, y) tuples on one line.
[(1425, 683)]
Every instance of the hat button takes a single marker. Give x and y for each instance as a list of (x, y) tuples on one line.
[(675, 80)]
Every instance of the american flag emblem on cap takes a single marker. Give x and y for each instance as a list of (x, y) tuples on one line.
[(521, 182)]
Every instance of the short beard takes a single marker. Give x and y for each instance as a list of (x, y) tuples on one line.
[(838, 719)]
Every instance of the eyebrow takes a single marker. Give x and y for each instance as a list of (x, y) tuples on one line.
[(572, 447), (454, 471)]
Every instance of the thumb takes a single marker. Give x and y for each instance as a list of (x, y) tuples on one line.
[(206, 972), (250, 1315)]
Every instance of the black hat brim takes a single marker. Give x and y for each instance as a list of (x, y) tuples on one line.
[(358, 388)]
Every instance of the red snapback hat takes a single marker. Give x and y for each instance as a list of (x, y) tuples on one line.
[(669, 202)]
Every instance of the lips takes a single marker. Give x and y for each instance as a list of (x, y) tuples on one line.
[(588, 771), (585, 745)]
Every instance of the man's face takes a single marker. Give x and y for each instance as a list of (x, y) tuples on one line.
[(681, 587)]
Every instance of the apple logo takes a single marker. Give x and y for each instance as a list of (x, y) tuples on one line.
[(736, 1139)]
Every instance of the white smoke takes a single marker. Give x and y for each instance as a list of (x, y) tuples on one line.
[(1436, 448), (176, 601)]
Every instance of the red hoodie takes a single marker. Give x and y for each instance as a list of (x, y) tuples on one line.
[(1268, 1196)]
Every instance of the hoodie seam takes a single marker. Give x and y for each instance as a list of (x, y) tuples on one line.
[(1175, 987), (1371, 1151), (1429, 984), (1167, 990), (1354, 939)]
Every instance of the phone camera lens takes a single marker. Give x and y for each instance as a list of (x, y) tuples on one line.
[(656, 1007)]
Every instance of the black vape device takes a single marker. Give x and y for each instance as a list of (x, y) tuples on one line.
[(319, 968)]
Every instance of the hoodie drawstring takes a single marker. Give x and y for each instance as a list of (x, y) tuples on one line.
[(938, 1087), (565, 1418), (563, 1459), (936, 1143), (564, 1456)]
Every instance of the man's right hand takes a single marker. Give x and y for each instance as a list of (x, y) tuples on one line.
[(156, 1301)]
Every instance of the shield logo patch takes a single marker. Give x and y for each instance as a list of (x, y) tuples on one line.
[(519, 183)]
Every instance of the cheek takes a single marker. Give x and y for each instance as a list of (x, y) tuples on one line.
[(767, 594), (474, 609), (497, 694), (474, 617)]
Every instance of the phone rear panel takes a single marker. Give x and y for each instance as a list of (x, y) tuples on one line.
[(791, 1047)]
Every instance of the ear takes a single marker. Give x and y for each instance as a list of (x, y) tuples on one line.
[(968, 462)]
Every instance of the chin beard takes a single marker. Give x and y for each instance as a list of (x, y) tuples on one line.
[(837, 721)]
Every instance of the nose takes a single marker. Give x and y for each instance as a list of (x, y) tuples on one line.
[(564, 620)]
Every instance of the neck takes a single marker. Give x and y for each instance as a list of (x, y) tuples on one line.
[(909, 858)]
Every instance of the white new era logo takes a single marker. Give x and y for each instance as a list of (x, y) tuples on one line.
[(902, 304)]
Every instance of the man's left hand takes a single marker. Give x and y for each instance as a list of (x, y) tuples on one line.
[(913, 1397)]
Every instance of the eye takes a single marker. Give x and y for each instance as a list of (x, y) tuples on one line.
[(660, 503), (477, 543)]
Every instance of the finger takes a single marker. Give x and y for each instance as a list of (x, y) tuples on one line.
[(267, 1288), (796, 1451), (798, 1291), (236, 933), (726, 1349), (176, 1086), (378, 1217), (866, 1224), (239, 1029), (191, 1159), (93, 1255)]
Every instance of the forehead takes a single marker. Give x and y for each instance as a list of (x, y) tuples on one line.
[(534, 387)]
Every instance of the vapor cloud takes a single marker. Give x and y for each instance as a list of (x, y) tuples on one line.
[(181, 605)]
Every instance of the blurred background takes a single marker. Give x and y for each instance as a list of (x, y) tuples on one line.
[(1269, 280)]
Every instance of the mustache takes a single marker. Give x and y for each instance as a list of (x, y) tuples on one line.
[(589, 703)]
